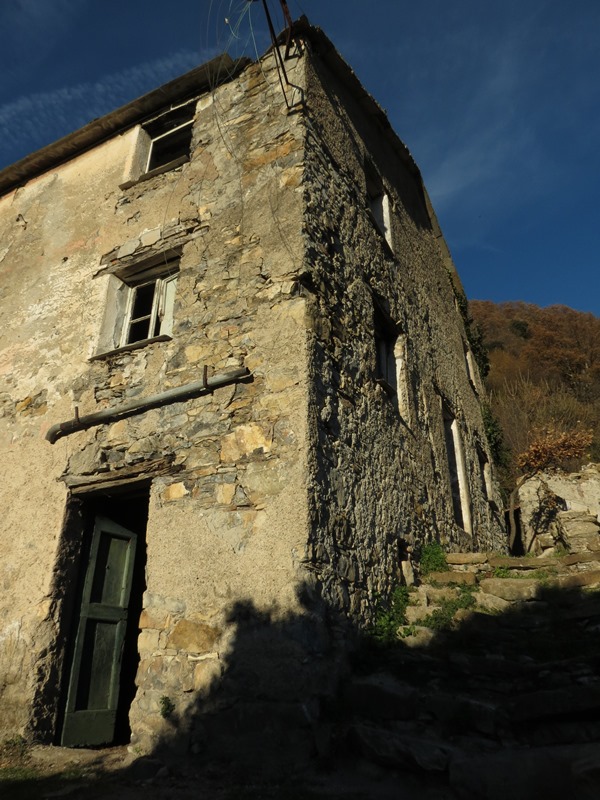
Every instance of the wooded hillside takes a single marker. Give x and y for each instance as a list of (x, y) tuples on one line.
[(544, 370)]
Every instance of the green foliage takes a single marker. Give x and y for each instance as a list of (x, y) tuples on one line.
[(390, 616), (503, 572), (442, 617), (167, 706), (495, 436), (433, 559)]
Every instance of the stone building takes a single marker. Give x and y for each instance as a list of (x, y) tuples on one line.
[(237, 390)]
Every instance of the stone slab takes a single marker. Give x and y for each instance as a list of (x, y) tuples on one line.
[(514, 563), (464, 578), (380, 696), (459, 559), (512, 589)]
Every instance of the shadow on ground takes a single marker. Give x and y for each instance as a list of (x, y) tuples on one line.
[(500, 705)]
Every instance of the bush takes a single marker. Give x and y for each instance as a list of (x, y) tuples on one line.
[(433, 559), (442, 617), (390, 616)]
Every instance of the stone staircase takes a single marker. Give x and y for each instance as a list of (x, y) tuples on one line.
[(505, 700)]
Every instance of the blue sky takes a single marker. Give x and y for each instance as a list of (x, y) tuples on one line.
[(498, 102)]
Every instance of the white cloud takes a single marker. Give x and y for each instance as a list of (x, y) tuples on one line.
[(41, 118)]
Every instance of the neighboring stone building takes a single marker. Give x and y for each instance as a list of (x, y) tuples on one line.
[(552, 505), (287, 264)]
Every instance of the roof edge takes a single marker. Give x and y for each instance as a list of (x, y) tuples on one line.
[(207, 76)]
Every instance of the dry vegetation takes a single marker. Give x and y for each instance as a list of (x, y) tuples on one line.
[(544, 383)]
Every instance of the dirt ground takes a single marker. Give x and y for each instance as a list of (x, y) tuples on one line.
[(45, 773)]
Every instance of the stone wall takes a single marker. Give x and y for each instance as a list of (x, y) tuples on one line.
[(543, 497), (379, 468)]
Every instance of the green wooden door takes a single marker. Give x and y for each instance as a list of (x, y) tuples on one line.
[(93, 692)]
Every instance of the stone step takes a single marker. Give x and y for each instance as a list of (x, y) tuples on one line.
[(410, 748), (551, 773), (570, 701)]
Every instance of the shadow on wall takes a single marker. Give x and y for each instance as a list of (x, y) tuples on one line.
[(519, 688)]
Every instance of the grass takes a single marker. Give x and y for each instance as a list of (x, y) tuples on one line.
[(433, 559), (543, 575), (442, 618)]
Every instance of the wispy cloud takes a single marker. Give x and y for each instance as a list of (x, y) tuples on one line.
[(44, 117)]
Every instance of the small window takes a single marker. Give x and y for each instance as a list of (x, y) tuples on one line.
[(379, 204), (139, 306), (485, 472), (459, 486), (161, 144), (386, 335), (149, 310), (472, 369), (170, 136)]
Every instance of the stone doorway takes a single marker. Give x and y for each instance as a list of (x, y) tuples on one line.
[(103, 609)]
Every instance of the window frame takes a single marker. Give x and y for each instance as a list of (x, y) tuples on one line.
[(115, 335), (379, 204), (152, 130), (457, 470), (171, 133), (163, 284)]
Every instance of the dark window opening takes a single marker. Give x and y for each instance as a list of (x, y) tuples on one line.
[(379, 203), (150, 305), (170, 135), (386, 335)]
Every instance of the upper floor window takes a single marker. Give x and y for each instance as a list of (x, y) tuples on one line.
[(385, 355), (162, 143), (379, 203), (149, 308), (170, 136)]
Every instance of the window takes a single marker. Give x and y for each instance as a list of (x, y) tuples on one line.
[(139, 307), (163, 143), (472, 369), (485, 472), (170, 136), (379, 203), (385, 355), (459, 486), (149, 309)]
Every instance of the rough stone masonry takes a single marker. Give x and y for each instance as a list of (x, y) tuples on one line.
[(273, 511)]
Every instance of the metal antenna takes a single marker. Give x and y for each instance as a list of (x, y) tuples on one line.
[(288, 19)]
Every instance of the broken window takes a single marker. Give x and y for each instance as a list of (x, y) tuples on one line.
[(149, 309), (459, 486), (170, 137), (140, 302)]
